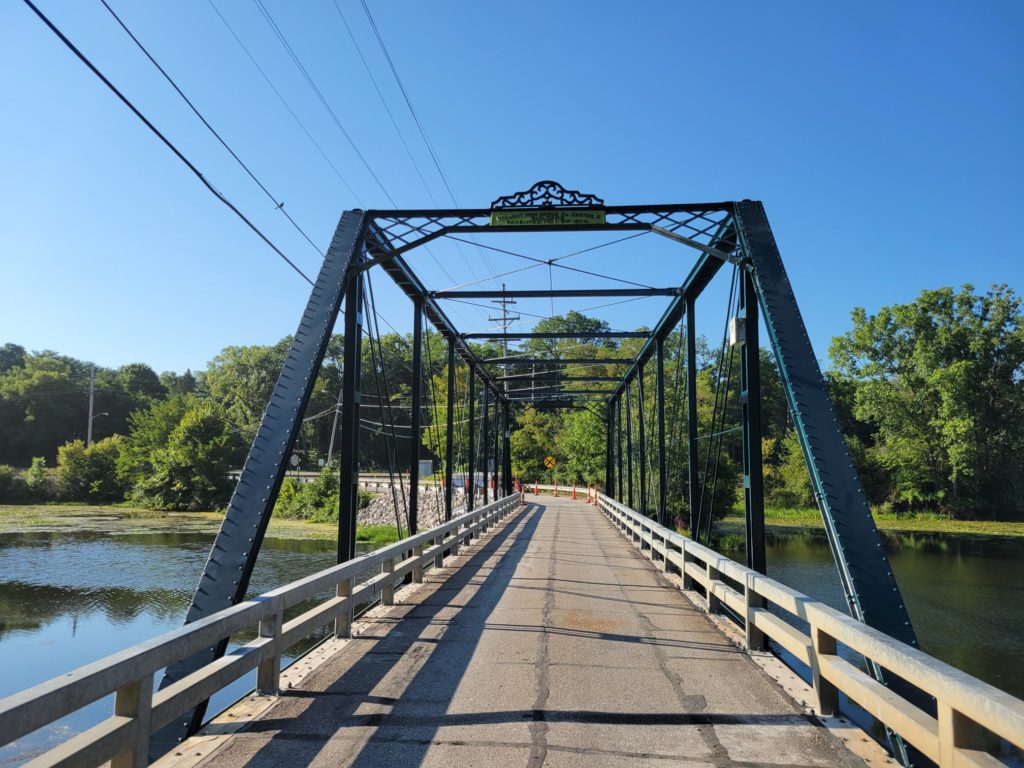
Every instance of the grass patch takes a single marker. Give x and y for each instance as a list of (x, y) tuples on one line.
[(70, 517), (378, 535), (930, 522)]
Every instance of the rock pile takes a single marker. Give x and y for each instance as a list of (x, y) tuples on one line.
[(381, 511)]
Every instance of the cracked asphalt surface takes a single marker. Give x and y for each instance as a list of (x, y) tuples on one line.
[(554, 644)]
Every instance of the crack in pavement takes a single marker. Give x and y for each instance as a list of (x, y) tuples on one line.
[(719, 755), (538, 726)]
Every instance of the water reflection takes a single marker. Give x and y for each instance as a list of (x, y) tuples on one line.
[(963, 593), (69, 597)]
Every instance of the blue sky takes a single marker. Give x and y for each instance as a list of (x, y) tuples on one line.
[(883, 138)]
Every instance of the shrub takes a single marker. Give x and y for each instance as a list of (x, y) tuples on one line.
[(192, 471), (37, 482), (12, 485), (90, 474), (316, 501)]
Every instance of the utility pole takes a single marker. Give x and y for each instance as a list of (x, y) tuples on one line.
[(506, 319), (92, 400)]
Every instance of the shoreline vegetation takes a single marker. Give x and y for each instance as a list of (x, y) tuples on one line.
[(924, 522), (68, 516), (63, 516)]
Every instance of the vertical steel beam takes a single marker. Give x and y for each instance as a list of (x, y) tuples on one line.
[(449, 435), (228, 569), (484, 439), (351, 400), (691, 413), (642, 429), (417, 394), (506, 452), (471, 469), (609, 454), (497, 452), (620, 483), (662, 478), (629, 445), (750, 421)]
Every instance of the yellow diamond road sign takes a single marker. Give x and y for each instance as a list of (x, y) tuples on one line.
[(549, 462)]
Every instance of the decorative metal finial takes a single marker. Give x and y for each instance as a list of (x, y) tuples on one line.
[(548, 194)]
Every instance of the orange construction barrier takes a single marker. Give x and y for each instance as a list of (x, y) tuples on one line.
[(536, 488), (574, 491)]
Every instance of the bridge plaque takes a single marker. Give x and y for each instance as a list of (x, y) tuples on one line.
[(546, 204), (555, 217)]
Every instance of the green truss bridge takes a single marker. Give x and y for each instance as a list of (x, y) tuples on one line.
[(534, 630)]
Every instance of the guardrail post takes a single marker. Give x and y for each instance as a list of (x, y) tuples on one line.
[(752, 600), (956, 732), (268, 673), (135, 700), (712, 601), (343, 624), (417, 570), (439, 556), (387, 593), (664, 553), (826, 694), (687, 578)]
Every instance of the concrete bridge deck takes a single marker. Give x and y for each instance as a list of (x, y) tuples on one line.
[(556, 644)]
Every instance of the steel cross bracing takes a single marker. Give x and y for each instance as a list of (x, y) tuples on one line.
[(735, 233)]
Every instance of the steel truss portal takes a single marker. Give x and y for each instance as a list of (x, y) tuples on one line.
[(737, 233)]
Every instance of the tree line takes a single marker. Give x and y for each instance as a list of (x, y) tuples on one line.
[(929, 394)]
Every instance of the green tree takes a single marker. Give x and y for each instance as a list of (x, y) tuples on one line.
[(179, 384), (90, 473), (192, 471), (241, 379), (582, 441), (535, 436), (43, 403), (941, 381), (150, 431), (11, 356)]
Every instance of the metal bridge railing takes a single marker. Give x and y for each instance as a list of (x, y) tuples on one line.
[(123, 738), (966, 706)]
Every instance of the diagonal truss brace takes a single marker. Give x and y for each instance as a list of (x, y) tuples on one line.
[(864, 569), (226, 575), (867, 577)]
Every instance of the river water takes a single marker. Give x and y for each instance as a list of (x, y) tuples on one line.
[(70, 595)]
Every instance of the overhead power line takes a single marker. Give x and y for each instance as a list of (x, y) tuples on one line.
[(286, 105), (419, 124), (384, 103), (167, 142), (279, 205), (401, 138), (319, 94)]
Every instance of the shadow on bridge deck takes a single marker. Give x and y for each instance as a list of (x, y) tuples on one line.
[(555, 643)]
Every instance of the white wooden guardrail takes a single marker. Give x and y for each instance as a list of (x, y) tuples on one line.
[(966, 706), (123, 738)]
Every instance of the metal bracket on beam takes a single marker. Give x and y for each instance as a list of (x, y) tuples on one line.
[(694, 244)]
